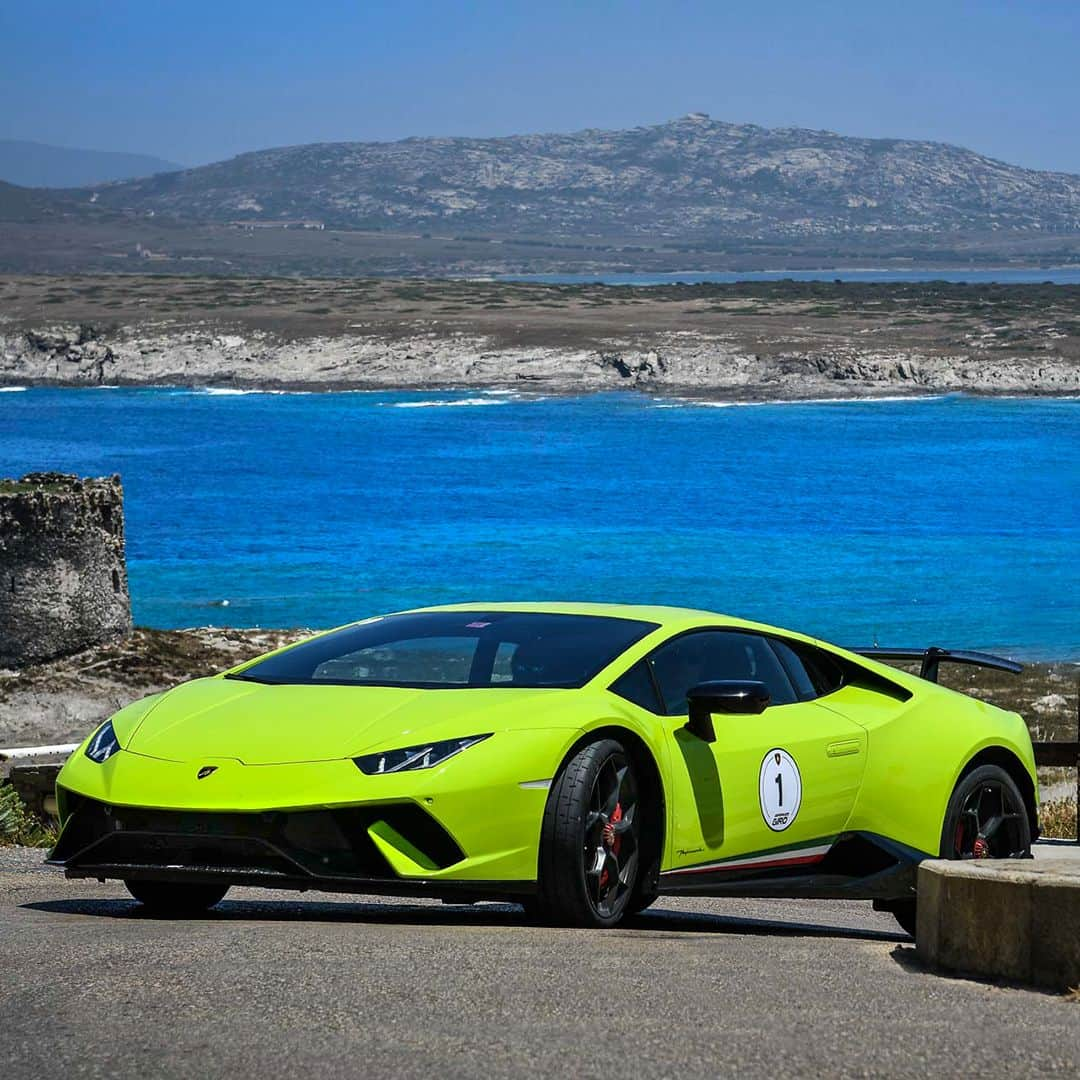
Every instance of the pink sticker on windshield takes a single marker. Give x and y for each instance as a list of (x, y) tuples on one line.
[(476, 625)]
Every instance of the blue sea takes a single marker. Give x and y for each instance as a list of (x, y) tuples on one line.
[(951, 520)]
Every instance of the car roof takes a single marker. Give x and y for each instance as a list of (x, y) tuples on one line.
[(666, 616)]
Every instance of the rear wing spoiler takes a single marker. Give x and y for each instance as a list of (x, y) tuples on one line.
[(930, 659)]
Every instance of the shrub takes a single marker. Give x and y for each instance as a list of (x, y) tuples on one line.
[(18, 825), (1057, 817)]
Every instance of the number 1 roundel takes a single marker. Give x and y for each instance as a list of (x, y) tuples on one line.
[(780, 789)]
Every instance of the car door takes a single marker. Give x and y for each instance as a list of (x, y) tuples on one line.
[(774, 789)]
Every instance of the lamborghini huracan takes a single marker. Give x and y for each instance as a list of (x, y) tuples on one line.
[(578, 759)]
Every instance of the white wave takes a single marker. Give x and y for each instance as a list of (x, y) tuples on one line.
[(11, 389), (443, 403), (232, 391)]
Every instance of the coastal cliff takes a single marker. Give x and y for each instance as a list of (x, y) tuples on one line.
[(692, 363), (779, 340)]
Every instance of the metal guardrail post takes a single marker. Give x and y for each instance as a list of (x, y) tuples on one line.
[(1064, 754)]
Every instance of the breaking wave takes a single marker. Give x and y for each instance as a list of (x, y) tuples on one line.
[(445, 403)]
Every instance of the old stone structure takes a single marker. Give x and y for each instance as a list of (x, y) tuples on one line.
[(63, 578)]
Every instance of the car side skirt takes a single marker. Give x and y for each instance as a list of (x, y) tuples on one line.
[(852, 865)]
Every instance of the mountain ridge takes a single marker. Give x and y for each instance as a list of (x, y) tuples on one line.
[(693, 179), (28, 163)]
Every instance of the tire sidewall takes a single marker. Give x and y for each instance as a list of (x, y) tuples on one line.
[(563, 886), (964, 787)]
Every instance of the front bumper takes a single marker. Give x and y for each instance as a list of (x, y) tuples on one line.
[(344, 849), (467, 827)]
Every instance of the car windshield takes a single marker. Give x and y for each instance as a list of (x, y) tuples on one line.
[(446, 649)]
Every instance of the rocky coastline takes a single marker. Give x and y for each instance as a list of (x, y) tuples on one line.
[(732, 342), (690, 364)]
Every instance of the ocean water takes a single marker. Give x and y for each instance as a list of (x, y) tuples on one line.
[(950, 521), (1061, 275)]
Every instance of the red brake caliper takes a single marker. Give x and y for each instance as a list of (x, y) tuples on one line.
[(610, 839)]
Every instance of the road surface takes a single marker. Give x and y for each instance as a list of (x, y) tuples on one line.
[(278, 985)]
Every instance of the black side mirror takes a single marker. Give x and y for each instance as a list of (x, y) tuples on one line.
[(723, 696)]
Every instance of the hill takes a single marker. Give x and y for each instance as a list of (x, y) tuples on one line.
[(690, 181), (34, 164)]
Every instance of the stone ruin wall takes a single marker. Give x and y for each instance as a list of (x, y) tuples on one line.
[(63, 575)]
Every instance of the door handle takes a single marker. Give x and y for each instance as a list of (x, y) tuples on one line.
[(843, 748)]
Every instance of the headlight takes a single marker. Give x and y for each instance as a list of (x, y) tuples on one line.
[(103, 744), (415, 757)]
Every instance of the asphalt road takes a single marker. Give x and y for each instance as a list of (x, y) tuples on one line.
[(271, 985)]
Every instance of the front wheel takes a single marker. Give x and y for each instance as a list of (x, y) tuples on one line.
[(985, 819), (176, 900), (590, 839)]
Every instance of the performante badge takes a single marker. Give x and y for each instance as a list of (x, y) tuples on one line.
[(205, 771)]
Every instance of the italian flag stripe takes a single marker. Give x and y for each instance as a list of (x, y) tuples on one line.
[(805, 853)]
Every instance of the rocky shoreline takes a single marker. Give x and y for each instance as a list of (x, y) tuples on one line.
[(64, 356), (687, 340)]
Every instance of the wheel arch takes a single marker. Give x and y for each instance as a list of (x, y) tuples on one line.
[(1007, 760), (654, 831)]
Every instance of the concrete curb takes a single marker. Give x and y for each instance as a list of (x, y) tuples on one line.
[(1015, 919)]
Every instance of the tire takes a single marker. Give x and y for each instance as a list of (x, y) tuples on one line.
[(590, 840), (986, 819), (176, 900), (640, 901), (906, 914)]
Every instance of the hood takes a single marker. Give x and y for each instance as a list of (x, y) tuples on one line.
[(260, 724)]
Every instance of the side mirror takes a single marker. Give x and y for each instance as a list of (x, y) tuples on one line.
[(723, 696)]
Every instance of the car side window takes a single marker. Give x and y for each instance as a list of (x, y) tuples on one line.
[(637, 685), (705, 655), (812, 670), (804, 685)]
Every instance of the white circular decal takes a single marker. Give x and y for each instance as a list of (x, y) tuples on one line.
[(780, 789)]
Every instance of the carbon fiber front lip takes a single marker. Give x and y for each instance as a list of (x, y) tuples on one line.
[(468, 891)]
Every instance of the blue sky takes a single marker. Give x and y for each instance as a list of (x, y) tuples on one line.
[(196, 81)]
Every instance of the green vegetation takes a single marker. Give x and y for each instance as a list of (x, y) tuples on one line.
[(18, 825), (19, 487)]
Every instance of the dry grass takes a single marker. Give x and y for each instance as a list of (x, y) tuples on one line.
[(1057, 818)]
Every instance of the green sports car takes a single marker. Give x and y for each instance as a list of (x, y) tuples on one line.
[(579, 759)]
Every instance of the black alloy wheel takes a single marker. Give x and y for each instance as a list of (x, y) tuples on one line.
[(611, 848), (991, 822), (590, 842)]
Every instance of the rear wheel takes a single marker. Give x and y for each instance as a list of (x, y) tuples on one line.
[(590, 842), (176, 900), (986, 819)]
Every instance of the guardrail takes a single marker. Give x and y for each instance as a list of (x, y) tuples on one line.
[(33, 779), (16, 752)]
